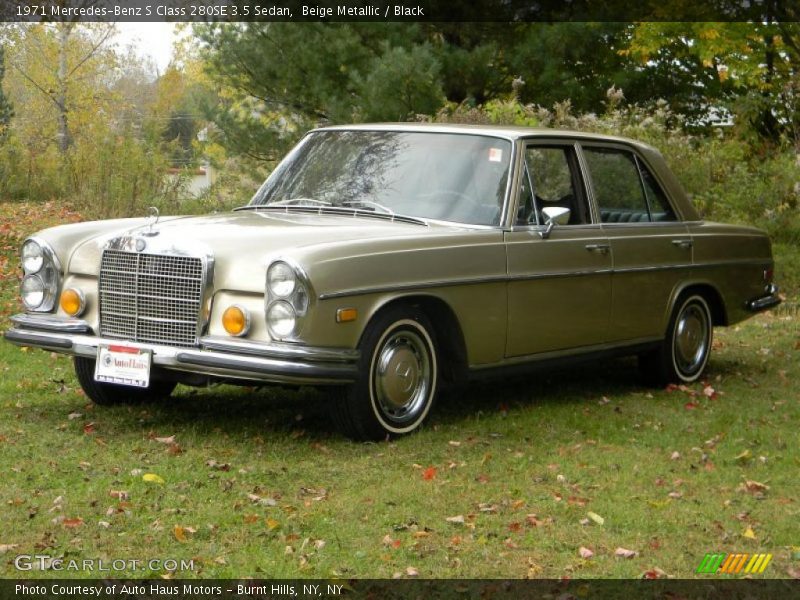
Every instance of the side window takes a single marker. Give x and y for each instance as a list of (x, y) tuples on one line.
[(550, 180), (617, 185), (660, 210)]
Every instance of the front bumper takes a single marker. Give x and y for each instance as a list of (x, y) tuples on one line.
[(216, 356), (767, 301)]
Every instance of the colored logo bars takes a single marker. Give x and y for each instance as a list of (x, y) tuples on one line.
[(734, 563)]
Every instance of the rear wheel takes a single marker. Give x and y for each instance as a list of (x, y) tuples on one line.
[(684, 352), (109, 393), (398, 374)]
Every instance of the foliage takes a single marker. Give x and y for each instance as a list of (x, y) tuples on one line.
[(125, 126)]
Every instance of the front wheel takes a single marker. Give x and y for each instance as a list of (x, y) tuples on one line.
[(109, 393), (683, 354), (398, 374)]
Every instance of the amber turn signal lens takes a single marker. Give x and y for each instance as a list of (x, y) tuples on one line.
[(345, 315), (236, 320), (72, 302)]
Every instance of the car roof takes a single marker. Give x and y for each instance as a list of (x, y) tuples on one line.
[(504, 131)]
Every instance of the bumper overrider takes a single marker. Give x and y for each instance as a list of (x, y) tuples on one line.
[(217, 356), (767, 301)]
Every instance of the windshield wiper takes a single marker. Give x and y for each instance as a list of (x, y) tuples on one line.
[(299, 202), (369, 204)]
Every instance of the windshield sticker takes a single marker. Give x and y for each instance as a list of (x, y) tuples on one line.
[(495, 154)]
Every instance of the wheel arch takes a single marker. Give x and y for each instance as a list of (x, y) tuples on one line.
[(712, 296), (447, 332)]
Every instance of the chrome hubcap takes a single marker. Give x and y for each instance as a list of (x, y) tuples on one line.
[(691, 339), (402, 376)]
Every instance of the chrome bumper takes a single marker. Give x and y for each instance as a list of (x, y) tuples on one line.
[(768, 300), (217, 356)]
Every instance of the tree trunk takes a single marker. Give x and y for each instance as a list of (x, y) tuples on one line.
[(64, 137)]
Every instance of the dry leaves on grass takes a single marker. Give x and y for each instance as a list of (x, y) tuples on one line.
[(585, 552), (153, 478), (625, 553), (429, 474)]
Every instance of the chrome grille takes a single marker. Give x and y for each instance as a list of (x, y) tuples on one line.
[(150, 297)]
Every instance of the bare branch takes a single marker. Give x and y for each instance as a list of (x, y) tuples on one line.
[(103, 40)]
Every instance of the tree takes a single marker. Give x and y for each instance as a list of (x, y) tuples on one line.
[(54, 59), (6, 111)]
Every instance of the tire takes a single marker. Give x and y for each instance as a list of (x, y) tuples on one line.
[(107, 394), (398, 373), (684, 352)]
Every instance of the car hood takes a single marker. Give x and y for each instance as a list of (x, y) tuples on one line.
[(242, 243)]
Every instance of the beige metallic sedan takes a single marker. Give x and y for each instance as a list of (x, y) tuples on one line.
[(388, 260)]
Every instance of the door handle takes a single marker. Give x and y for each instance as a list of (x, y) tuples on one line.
[(598, 248), (685, 244)]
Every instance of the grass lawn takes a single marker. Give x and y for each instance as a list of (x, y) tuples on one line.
[(509, 479)]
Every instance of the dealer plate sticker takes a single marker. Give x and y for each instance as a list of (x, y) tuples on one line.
[(123, 365)]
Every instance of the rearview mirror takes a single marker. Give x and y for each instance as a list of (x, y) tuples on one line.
[(553, 215)]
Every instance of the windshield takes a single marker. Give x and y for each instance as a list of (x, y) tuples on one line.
[(444, 176)]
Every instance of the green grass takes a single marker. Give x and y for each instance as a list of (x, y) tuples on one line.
[(556, 446)]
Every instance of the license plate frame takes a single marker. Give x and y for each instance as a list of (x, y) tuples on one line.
[(123, 365)]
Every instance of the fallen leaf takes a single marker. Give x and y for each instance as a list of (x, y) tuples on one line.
[(429, 473), (458, 519), (272, 524), (250, 519), (624, 553), (585, 552), (595, 517), (675, 455), (72, 523), (88, 428), (412, 572), (675, 495), (690, 405), (74, 415), (420, 534), (654, 573), (743, 456), (755, 486), (104, 524), (165, 440), (119, 494), (7, 547), (180, 533), (749, 533), (454, 443), (152, 478)]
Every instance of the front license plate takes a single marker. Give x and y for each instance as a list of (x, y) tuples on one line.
[(123, 365)]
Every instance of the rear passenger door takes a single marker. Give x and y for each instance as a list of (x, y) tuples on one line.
[(651, 248), (559, 291)]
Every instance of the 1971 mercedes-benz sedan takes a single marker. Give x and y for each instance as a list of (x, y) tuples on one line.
[(389, 260)]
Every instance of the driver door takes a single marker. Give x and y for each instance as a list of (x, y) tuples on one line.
[(559, 291)]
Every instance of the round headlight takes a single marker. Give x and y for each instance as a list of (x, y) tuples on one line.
[(73, 302), (281, 279), (32, 257), (281, 319), (236, 320), (32, 291)]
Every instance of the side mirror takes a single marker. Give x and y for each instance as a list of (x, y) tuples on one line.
[(553, 215)]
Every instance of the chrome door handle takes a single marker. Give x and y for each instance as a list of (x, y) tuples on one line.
[(598, 248), (685, 244)]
